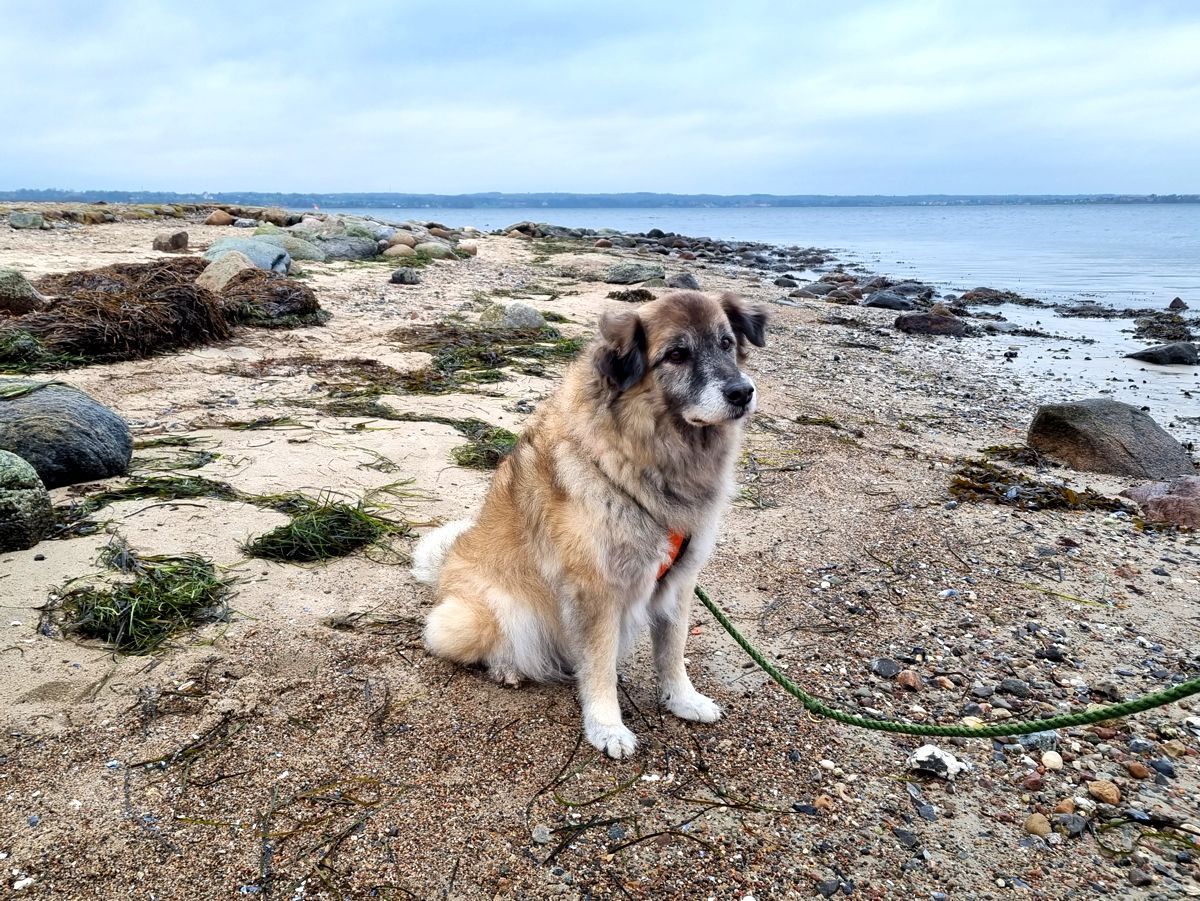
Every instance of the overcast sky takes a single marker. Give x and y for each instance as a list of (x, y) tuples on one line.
[(731, 97)]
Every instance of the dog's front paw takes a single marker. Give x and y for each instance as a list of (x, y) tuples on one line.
[(613, 739), (693, 706)]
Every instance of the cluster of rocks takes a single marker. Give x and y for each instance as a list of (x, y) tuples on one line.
[(72, 215), (278, 237), (51, 435), (749, 254)]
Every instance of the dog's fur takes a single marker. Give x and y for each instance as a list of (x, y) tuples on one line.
[(559, 574)]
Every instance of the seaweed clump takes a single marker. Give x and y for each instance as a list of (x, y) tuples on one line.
[(263, 299), (163, 595), (980, 480), (324, 528), (632, 295), (464, 354)]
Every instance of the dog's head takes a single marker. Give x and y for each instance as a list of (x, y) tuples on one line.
[(685, 347)]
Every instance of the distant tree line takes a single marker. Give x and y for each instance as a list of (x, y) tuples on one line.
[(496, 200)]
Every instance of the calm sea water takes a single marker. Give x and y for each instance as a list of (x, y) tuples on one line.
[(1123, 255)]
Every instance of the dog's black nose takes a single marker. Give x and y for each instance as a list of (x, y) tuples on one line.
[(739, 393)]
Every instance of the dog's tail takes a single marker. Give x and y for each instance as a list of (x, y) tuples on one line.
[(430, 552), (462, 629)]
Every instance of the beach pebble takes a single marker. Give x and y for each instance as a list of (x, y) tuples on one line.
[(1038, 825), (1052, 760), (931, 760), (1104, 791), (541, 834), (405, 276)]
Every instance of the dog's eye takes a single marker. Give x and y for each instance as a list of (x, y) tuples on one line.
[(676, 355), (726, 342)]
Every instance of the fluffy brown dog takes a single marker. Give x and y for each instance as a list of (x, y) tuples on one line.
[(604, 513)]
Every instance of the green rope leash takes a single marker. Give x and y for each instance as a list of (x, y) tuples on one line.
[(1025, 727)]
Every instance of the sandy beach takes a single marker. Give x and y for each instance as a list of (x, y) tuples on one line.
[(309, 748)]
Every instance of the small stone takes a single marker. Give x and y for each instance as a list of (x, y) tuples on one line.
[(616, 832), (470, 248), (1174, 748), (827, 888), (1163, 766), (541, 834), (1052, 760), (1034, 783), (405, 276), (1038, 825), (1071, 824), (885, 667), (1137, 769), (1015, 687), (513, 316), (1140, 877), (944, 683), (909, 680), (603, 242), (245, 222), (683, 280), (1066, 805), (1104, 791), (171, 242), (931, 760)]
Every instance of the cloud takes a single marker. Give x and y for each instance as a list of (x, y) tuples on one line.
[(913, 97)]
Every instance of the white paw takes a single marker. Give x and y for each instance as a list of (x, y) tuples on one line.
[(613, 739), (693, 706)]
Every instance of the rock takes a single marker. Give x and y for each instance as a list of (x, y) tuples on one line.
[(541, 834), (1177, 304), (684, 280), (1177, 502), (1178, 353), (439, 232), (603, 242), (1137, 769), (219, 217), (512, 316), (631, 272), (436, 251), (297, 248), (910, 680), (1038, 825), (470, 248), (405, 276), (785, 282), (1140, 877), (66, 436), (277, 216), (1104, 791), (20, 219), (26, 514), (1052, 761), (243, 222), (1163, 767), (402, 238), (885, 667), (827, 888), (887, 300), (1070, 824), (17, 296), (399, 250), (1015, 687), (930, 760), (171, 242), (217, 273), (1066, 805), (931, 324), (258, 251), (1108, 436), (348, 247)]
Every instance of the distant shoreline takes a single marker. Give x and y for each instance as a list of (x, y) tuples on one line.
[(560, 200)]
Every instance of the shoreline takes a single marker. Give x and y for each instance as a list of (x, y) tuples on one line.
[(317, 726)]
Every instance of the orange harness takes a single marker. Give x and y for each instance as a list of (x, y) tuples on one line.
[(677, 543)]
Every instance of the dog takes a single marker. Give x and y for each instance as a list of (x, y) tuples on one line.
[(599, 520)]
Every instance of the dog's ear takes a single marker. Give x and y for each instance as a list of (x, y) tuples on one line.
[(621, 358), (749, 321)]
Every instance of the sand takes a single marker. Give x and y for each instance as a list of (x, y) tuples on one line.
[(309, 748)]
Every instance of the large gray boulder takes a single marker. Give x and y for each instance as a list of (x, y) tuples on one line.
[(631, 272), (262, 254), (1102, 435), (297, 248), (512, 316), (17, 296), (21, 219), (26, 515), (348, 247), (889, 300), (66, 436), (1179, 353)]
